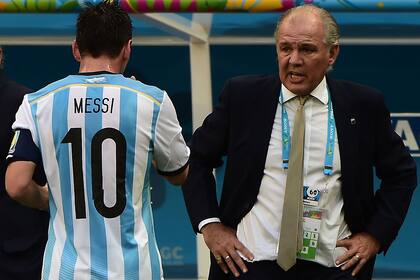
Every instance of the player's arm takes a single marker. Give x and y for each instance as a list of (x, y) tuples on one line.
[(21, 187), (171, 152), (22, 160), (177, 179)]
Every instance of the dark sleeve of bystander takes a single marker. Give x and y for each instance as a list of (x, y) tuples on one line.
[(23, 231)]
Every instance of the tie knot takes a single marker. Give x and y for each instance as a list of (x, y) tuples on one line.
[(302, 99)]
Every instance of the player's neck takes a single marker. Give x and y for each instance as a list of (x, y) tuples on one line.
[(90, 64)]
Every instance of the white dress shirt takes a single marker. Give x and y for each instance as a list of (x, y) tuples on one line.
[(260, 228)]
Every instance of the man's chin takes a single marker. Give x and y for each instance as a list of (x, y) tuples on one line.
[(298, 89)]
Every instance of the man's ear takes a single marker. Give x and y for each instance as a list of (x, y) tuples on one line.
[(75, 50), (334, 50)]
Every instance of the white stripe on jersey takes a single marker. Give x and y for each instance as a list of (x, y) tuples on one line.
[(112, 225), (81, 227), (143, 136), (53, 175)]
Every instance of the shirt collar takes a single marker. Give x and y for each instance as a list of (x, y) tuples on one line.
[(320, 92)]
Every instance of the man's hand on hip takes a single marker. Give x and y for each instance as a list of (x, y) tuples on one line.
[(361, 248), (223, 243)]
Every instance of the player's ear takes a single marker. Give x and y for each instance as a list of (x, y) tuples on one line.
[(75, 49), (127, 49)]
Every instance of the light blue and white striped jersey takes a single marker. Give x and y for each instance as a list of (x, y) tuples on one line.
[(98, 135)]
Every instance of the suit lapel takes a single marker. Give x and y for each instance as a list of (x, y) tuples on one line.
[(265, 105), (346, 120)]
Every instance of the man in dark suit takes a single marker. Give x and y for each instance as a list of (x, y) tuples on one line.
[(23, 231), (298, 199)]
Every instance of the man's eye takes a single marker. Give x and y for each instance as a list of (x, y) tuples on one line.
[(308, 50)]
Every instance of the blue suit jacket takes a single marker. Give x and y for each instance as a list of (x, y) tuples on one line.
[(240, 128)]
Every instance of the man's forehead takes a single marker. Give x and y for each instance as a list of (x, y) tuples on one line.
[(309, 34), (297, 41)]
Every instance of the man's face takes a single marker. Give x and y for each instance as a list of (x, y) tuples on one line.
[(303, 55)]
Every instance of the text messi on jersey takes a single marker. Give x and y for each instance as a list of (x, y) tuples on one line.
[(93, 105)]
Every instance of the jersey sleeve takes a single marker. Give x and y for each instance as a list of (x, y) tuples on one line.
[(171, 152), (23, 148), (24, 120)]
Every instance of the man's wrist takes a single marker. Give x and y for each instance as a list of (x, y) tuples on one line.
[(206, 222)]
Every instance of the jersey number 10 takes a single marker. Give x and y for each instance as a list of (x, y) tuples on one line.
[(74, 137)]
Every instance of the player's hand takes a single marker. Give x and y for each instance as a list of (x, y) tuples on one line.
[(361, 248), (44, 193), (223, 243)]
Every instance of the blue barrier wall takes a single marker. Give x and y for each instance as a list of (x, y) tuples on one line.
[(393, 70)]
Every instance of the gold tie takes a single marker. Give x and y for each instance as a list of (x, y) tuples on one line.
[(291, 234)]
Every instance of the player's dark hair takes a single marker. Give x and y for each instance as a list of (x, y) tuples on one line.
[(103, 29)]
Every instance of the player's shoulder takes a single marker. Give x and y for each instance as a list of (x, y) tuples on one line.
[(143, 89), (50, 88)]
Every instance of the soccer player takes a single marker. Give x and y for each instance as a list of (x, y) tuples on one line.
[(97, 134)]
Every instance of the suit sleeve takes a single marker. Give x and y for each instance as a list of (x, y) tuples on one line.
[(397, 171), (208, 146)]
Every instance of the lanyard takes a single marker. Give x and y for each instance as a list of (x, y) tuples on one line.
[(329, 151)]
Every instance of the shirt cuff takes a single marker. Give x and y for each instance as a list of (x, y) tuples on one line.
[(206, 222)]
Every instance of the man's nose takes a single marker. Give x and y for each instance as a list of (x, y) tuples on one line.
[(295, 58)]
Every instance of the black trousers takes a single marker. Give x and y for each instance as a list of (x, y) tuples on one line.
[(24, 265), (302, 270)]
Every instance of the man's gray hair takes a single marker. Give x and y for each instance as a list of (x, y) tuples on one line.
[(332, 34)]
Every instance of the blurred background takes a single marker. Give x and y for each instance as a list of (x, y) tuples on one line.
[(380, 49)]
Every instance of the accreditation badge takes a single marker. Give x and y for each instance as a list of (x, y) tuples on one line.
[(312, 217)]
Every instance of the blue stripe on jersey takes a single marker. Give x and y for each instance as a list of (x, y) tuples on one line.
[(46, 267), (34, 108), (98, 244), (60, 129), (147, 208), (128, 124)]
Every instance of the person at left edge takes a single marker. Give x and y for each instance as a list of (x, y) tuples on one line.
[(23, 231), (98, 134)]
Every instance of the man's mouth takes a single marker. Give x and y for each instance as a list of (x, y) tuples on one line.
[(296, 76)]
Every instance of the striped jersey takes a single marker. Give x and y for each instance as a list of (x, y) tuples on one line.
[(98, 135)]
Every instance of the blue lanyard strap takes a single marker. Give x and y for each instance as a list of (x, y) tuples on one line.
[(329, 152), (285, 134)]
